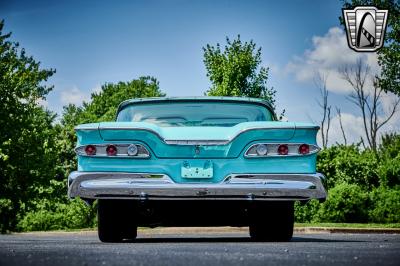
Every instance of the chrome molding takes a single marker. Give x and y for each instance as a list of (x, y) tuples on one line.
[(146, 186), (197, 142), (293, 150)]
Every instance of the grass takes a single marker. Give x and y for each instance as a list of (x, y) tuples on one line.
[(348, 225)]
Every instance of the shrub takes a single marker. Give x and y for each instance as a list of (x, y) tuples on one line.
[(390, 145), (6, 211), (348, 164), (385, 205), (346, 203), (306, 213), (55, 216), (389, 156), (389, 171)]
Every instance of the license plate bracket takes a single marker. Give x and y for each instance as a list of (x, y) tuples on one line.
[(197, 169)]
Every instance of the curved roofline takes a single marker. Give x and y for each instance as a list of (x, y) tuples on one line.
[(258, 101)]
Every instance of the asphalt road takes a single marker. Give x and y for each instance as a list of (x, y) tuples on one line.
[(194, 248)]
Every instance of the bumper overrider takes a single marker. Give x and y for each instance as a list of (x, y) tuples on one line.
[(143, 186)]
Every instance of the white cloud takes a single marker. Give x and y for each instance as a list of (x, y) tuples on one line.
[(353, 126), (43, 103), (274, 68), (74, 95), (328, 53)]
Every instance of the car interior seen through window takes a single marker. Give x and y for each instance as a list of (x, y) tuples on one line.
[(194, 114)]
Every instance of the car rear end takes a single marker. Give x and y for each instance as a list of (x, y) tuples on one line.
[(224, 161)]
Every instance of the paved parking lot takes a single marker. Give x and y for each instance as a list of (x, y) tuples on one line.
[(199, 248)]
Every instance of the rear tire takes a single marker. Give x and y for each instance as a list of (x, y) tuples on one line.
[(116, 220), (272, 223)]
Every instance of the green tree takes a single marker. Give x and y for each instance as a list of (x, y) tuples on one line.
[(26, 131), (103, 105), (236, 70), (389, 55)]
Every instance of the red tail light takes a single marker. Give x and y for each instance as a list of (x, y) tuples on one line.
[(283, 149), (304, 149), (111, 150), (90, 150)]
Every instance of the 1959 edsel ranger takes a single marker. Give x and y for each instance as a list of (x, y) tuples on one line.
[(199, 161)]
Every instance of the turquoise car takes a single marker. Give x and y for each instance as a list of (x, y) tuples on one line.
[(198, 161)]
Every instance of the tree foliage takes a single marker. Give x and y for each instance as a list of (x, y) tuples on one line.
[(389, 55), (236, 70), (103, 104), (36, 155), (364, 185), (26, 132)]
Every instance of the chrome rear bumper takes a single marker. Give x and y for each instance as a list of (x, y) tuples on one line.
[(143, 186)]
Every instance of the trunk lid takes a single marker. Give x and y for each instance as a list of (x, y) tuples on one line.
[(197, 142)]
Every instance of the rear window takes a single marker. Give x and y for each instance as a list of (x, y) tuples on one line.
[(194, 113)]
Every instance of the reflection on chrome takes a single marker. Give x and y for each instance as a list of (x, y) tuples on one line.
[(94, 185)]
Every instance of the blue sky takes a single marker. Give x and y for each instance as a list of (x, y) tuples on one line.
[(93, 42)]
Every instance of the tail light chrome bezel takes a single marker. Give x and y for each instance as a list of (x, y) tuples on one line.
[(111, 150), (122, 151), (272, 149), (90, 150), (283, 149), (304, 149)]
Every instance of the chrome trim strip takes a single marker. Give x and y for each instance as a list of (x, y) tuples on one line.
[(86, 128), (197, 142), (246, 155), (94, 185), (313, 127)]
